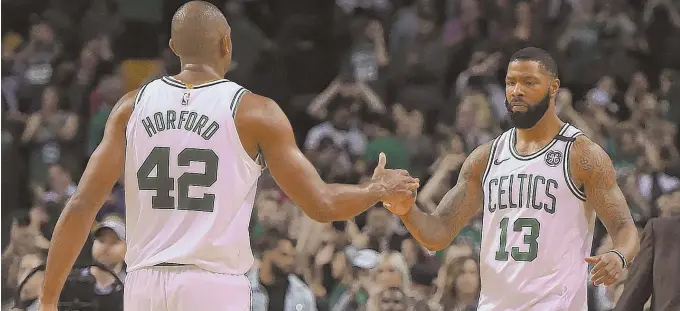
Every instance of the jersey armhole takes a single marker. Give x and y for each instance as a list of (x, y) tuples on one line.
[(578, 193), (138, 98), (258, 162), (236, 101)]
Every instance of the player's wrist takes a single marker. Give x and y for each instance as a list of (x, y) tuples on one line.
[(378, 189), (624, 261)]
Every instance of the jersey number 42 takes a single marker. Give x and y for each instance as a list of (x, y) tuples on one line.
[(530, 239), (162, 183)]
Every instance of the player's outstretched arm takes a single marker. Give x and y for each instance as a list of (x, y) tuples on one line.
[(262, 124), (592, 168), (75, 222), (436, 231)]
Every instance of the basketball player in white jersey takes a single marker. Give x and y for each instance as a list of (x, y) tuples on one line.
[(190, 148), (540, 185)]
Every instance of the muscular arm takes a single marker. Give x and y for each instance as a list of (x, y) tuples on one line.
[(75, 222), (436, 231), (593, 169), (262, 124)]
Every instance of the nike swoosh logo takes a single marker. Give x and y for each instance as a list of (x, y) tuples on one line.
[(497, 162)]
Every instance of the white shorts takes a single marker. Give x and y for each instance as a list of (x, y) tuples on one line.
[(185, 288)]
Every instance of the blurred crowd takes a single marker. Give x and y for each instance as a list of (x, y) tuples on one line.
[(421, 80)]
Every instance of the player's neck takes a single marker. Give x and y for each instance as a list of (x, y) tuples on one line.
[(546, 128), (197, 73)]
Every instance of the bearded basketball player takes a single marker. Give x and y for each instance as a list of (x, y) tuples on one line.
[(541, 185), (191, 148)]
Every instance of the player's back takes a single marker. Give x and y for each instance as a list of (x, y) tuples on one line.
[(189, 183), (537, 230)]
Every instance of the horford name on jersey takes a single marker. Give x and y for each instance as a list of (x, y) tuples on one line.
[(184, 120)]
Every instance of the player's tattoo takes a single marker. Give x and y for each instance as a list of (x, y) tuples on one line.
[(464, 200), (594, 170)]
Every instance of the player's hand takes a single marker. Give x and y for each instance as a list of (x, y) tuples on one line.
[(396, 185), (607, 270), (401, 208)]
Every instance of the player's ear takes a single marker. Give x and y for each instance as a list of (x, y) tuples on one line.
[(554, 86), (172, 47), (225, 45)]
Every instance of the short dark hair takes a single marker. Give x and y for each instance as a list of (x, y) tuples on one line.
[(538, 55)]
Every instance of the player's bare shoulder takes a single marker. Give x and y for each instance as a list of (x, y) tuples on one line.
[(121, 112), (589, 164), (259, 118), (255, 109), (255, 106), (476, 163)]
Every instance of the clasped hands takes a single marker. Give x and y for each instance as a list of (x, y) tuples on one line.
[(398, 187)]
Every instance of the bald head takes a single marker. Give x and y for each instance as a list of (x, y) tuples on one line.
[(199, 30)]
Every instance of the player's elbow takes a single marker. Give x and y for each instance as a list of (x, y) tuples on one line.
[(435, 247), (439, 244), (321, 217), (435, 242)]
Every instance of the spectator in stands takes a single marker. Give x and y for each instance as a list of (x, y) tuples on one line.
[(108, 91), (392, 271), (411, 129), (61, 185), (422, 276), (273, 285), (115, 205), (33, 63), (100, 20), (47, 132), (390, 299), (355, 297), (338, 128), (26, 242), (342, 276), (383, 138), (108, 253), (460, 288), (419, 67)]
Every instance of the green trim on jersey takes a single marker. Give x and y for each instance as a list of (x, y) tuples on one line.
[(566, 169), (237, 100), (516, 155), (169, 80)]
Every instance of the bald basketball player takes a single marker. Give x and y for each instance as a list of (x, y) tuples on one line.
[(192, 149)]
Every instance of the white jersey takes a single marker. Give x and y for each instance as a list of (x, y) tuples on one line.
[(189, 183), (536, 229)]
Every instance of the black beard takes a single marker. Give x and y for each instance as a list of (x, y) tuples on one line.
[(534, 113), (279, 273)]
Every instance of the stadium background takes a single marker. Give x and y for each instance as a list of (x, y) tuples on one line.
[(421, 80)]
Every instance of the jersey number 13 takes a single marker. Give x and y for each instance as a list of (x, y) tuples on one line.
[(530, 239), (162, 183)]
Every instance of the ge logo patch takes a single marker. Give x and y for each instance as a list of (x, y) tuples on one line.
[(553, 158)]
